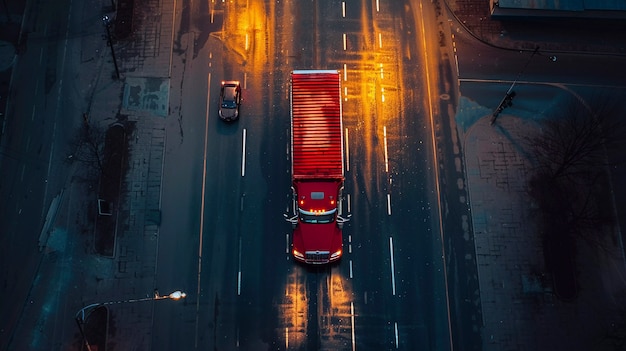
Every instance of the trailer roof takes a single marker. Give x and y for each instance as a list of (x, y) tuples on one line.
[(316, 129)]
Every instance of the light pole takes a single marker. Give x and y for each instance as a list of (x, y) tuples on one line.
[(107, 25), (510, 94), (82, 314)]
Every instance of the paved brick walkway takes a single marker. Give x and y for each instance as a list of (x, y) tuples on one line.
[(143, 59), (520, 312)]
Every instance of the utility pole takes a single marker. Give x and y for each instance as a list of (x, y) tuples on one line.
[(107, 25), (507, 100)]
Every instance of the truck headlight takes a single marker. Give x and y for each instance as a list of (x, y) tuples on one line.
[(298, 254)]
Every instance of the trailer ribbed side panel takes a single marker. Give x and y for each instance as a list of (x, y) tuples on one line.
[(316, 129)]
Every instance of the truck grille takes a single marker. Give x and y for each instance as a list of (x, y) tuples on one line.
[(317, 257)]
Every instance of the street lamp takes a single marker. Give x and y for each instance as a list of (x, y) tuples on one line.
[(107, 25), (507, 100), (83, 313)]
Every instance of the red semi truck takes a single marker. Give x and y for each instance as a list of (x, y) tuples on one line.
[(316, 166)]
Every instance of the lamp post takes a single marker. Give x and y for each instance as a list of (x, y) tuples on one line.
[(510, 94), (107, 25), (82, 314)]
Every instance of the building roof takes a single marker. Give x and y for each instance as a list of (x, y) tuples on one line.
[(610, 9)]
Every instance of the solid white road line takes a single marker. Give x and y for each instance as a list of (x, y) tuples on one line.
[(239, 273), (389, 204), (347, 153), (352, 320), (395, 327), (393, 275), (202, 197), (243, 154), (386, 152)]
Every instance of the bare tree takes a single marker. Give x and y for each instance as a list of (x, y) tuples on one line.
[(571, 182), (576, 139), (88, 145)]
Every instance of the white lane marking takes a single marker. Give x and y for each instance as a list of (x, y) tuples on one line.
[(287, 243), (350, 269), (377, 5), (386, 151), (243, 154), (23, 171), (348, 203), (389, 204), (239, 283), (350, 243), (382, 72), (286, 338), (343, 9), (345, 44), (352, 320), (382, 92), (206, 139), (347, 154), (380, 40), (239, 273), (247, 42), (393, 274), (345, 72), (345, 93), (395, 326), (245, 80)]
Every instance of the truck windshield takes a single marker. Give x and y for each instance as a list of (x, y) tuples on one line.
[(317, 217)]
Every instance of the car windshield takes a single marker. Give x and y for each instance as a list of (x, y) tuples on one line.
[(229, 104), (319, 218)]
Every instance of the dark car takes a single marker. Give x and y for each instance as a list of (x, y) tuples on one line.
[(230, 99)]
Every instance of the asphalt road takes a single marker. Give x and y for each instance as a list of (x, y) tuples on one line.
[(36, 141), (407, 279), (222, 226)]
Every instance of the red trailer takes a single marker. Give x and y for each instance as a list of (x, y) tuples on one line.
[(316, 165)]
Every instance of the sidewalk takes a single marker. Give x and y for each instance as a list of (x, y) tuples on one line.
[(139, 101), (520, 311), (519, 308)]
